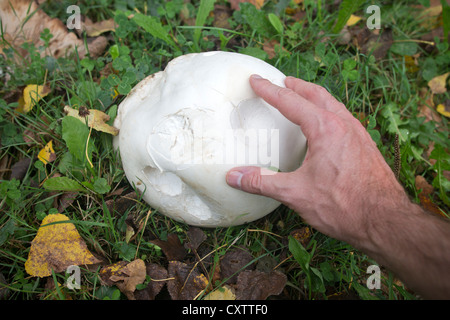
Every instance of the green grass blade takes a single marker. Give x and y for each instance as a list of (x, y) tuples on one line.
[(346, 9), (206, 6)]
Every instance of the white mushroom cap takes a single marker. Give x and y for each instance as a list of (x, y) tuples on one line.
[(183, 128)]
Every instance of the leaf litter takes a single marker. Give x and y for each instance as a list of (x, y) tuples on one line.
[(185, 276)]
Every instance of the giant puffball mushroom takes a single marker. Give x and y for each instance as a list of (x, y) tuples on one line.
[(183, 128)]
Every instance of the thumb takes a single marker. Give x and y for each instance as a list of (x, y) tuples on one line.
[(258, 180)]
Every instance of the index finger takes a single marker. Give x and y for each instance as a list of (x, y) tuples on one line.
[(293, 106), (314, 93)]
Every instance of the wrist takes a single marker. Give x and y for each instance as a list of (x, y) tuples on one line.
[(386, 210)]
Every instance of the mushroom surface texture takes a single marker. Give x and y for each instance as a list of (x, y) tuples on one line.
[(183, 128)]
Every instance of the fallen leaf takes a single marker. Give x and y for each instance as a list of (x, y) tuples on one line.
[(185, 282), (272, 48), (65, 200), (23, 21), (4, 290), (411, 63), (158, 278), (31, 95), (129, 277), (123, 203), (438, 84), (422, 184), (56, 247), (233, 262), (20, 168), (426, 106), (302, 235), (444, 109), (94, 29), (235, 3), (352, 20), (223, 293), (257, 285), (172, 248), (95, 119), (426, 190), (429, 16), (125, 275), (221, 15), (108, 271), (372, 42), (195, 238), (47, 154)]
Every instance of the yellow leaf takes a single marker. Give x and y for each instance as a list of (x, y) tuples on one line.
[(47, 154), (56, 247), (438, 84), (258, 3), (411, 64), (116, 93), (352, 20), (95, 119), (31, 95), (223, 293), (443, 110)]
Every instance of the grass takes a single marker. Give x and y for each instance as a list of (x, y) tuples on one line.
[(303, 45)]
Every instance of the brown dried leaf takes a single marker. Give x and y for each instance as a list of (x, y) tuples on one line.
[(426, 106), (257, 285), (121, 204), (23, 21), (172, 248), (94, 29), (422, 184), (185, 282), (223, 293), (126, 276), (221, 15), (302, 235), (233, 262), (425, 196), (110, 270), (65, 200), (158, 276), (195, 236), (20, 168)]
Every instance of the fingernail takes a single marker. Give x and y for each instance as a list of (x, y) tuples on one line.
[(256, 77), (234, 179)]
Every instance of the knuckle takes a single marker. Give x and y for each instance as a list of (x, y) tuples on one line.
[(335, 125), (320, 91), (254, 183), (282, 93)]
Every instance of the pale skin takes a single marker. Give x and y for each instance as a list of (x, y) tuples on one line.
[(346, 190)]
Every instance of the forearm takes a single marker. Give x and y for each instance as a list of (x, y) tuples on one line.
[(414, 245)]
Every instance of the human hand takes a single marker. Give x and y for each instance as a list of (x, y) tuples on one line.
[(343, 174)]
